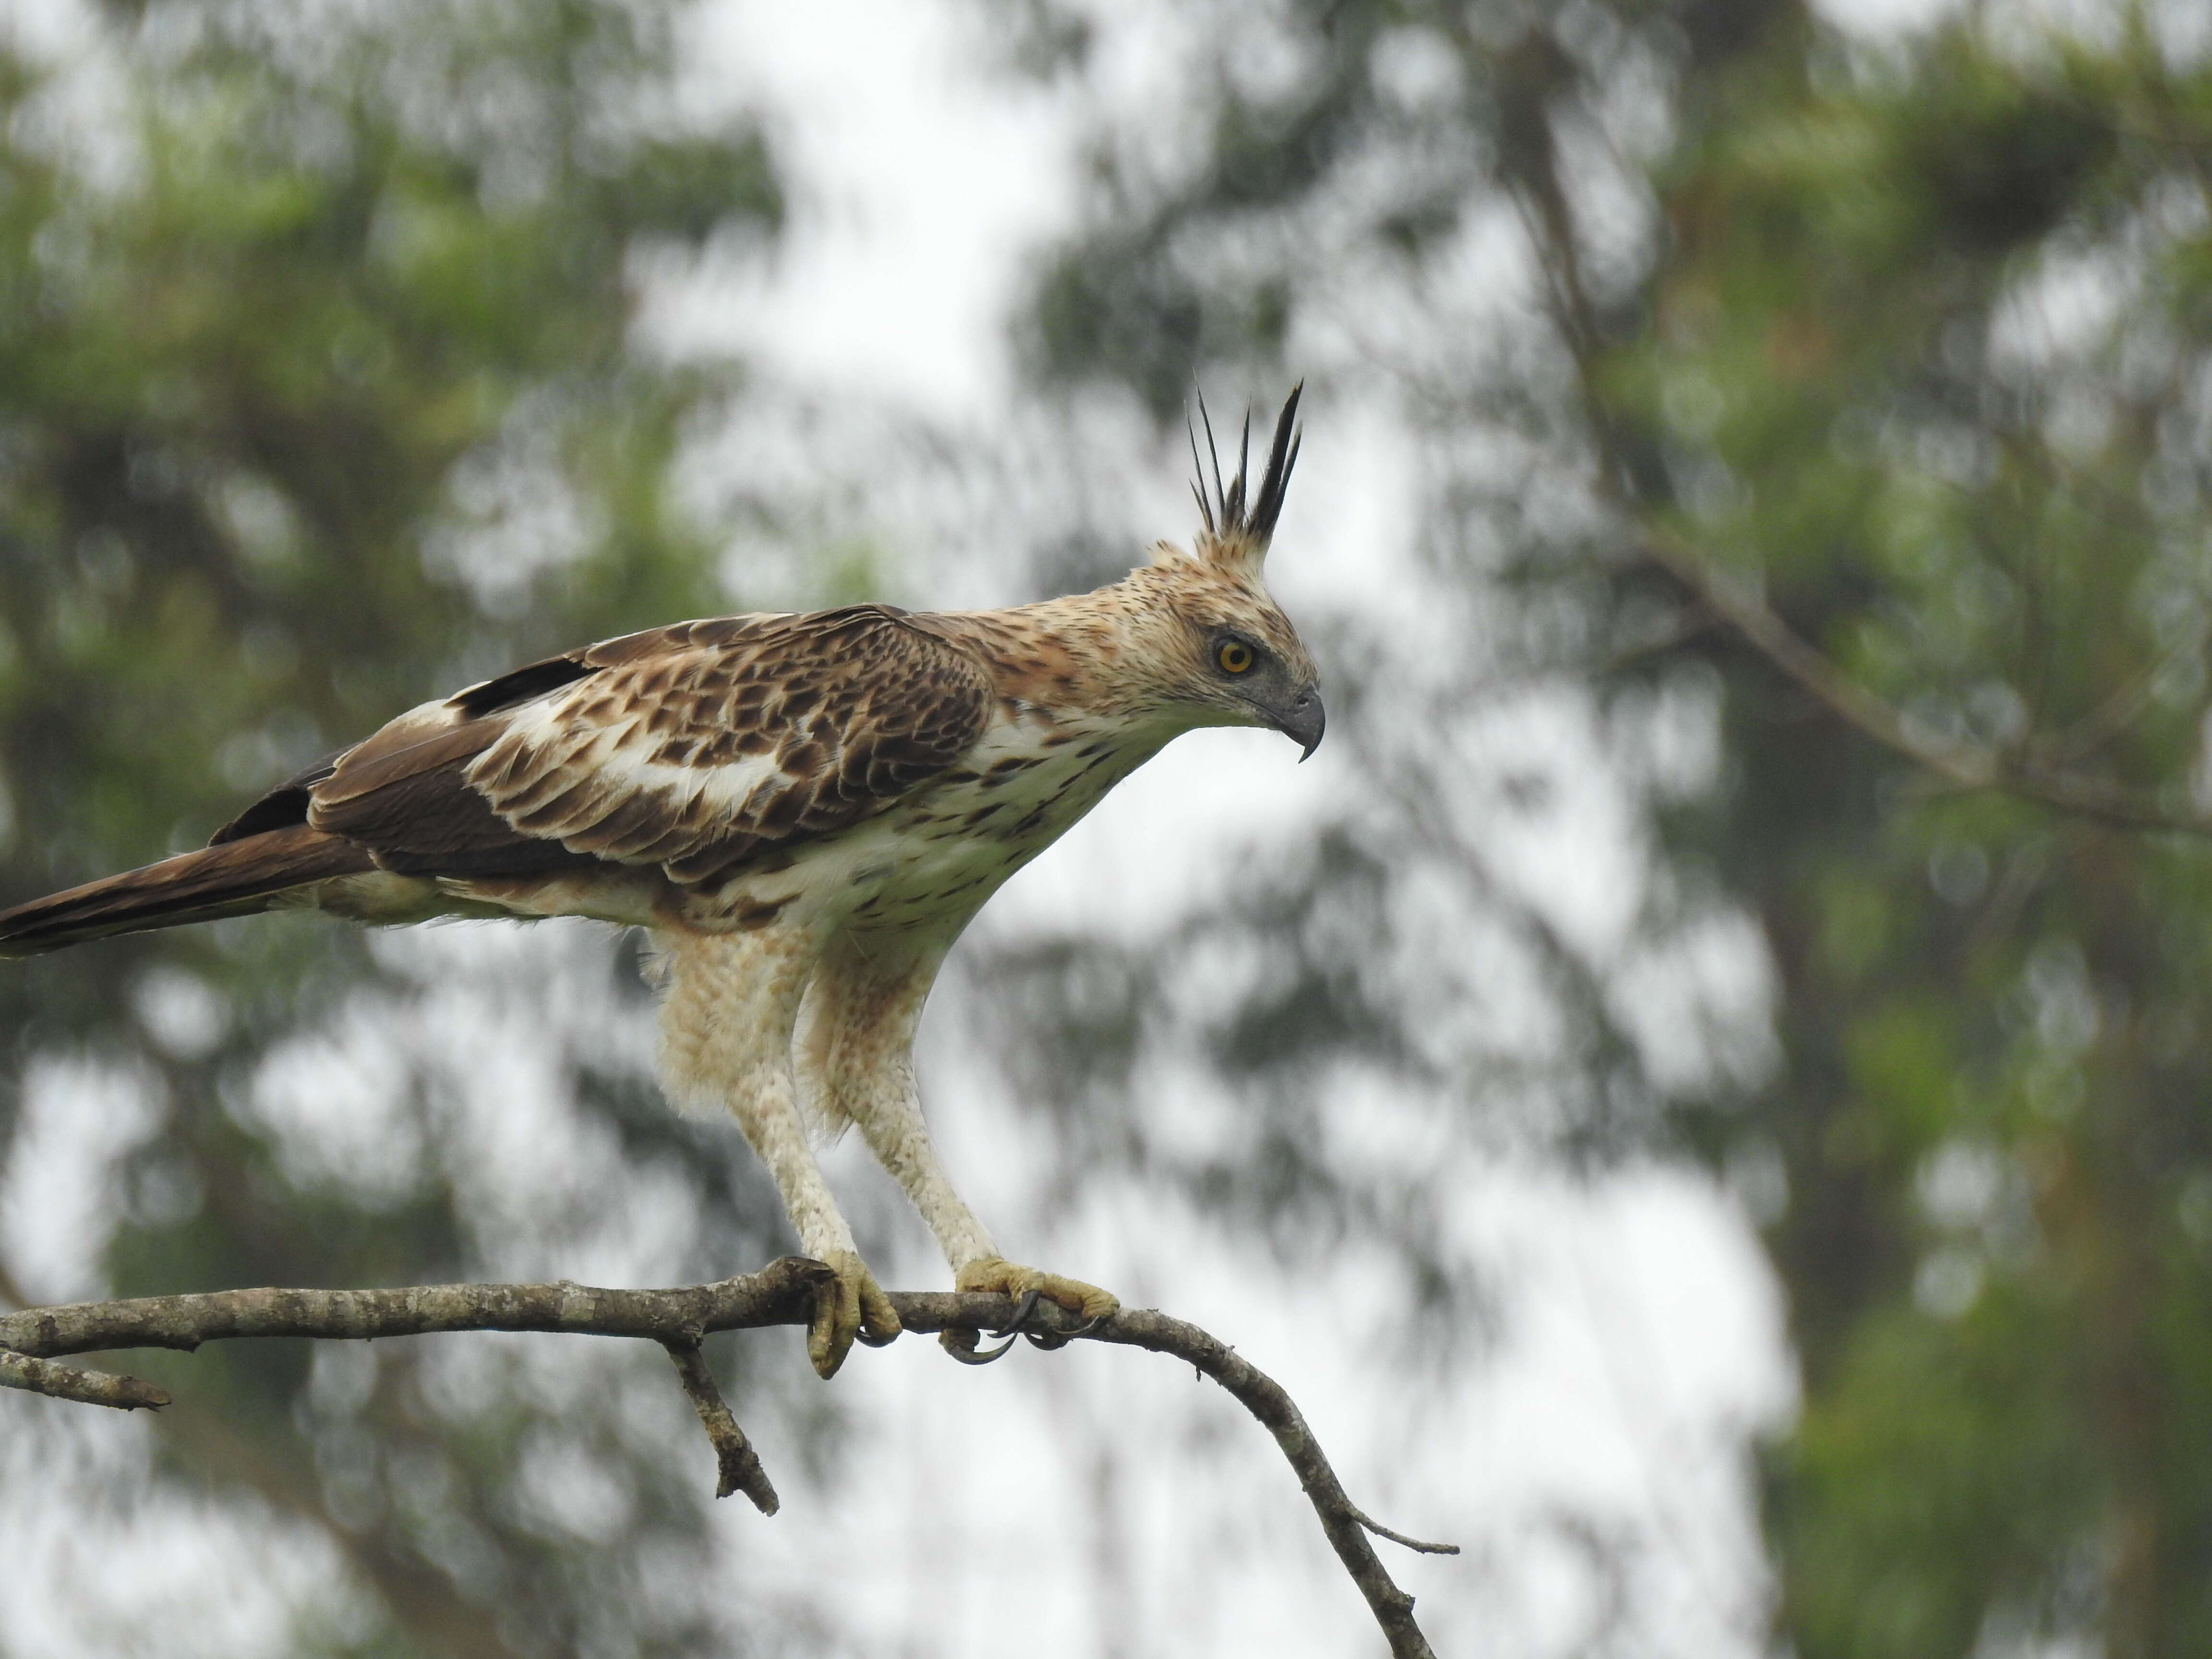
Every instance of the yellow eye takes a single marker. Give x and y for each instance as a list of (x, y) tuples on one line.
[(1234, 656)]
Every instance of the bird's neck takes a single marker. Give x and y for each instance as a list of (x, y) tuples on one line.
[(1080, 655)]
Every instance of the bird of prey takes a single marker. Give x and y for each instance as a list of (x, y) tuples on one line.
[(803, 811)]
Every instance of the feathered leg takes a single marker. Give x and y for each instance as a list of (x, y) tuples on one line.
[(725, 1026), (856, 1057)]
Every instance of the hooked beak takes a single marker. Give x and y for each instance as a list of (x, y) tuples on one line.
[(1303, 722)]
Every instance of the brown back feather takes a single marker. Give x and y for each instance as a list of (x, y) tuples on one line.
[(824, 716)]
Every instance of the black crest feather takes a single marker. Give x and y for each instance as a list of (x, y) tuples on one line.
[(1228, 514)]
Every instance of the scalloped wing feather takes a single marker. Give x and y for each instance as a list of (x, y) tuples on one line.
[(693, 747)]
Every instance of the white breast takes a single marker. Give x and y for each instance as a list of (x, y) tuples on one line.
[(922, 868)]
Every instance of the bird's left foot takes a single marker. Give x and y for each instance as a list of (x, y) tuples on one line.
[(851, 1304), (995, 1273)]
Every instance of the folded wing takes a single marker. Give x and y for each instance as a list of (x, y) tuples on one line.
[(695, 748), (691, 747)]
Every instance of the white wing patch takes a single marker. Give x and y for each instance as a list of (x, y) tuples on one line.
[(696, 752), (555, 771)]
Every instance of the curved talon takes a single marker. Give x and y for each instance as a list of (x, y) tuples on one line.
[(969, 1354), (994, 1273), (1049, 1340), (849, 1304), (1023, 1309)]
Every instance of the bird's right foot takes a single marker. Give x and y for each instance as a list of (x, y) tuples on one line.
[(850, 1305)]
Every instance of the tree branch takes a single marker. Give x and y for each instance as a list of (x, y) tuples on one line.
[(740, 1465), (1532, 172), (782, 1293), (1968, 767), (35, 1375)]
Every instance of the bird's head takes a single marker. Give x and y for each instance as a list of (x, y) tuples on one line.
[(1226, 653)]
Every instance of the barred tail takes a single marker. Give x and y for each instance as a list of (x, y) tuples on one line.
[(235, 878)]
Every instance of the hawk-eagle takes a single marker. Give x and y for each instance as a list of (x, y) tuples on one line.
[(803, 811)]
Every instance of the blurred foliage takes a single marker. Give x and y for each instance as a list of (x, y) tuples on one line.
[(1298, 200), (1916, 342), (1929, 352), (316, 399)]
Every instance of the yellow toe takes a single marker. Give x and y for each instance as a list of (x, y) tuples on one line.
[(847, 1306), (1009, 1278)]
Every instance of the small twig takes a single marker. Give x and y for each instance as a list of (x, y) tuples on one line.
[(1400, 1538), (782, 1293), (2110, 718), (741, 1469), (35, 1375)]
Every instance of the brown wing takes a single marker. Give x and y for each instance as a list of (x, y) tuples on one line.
[(692, 747)]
